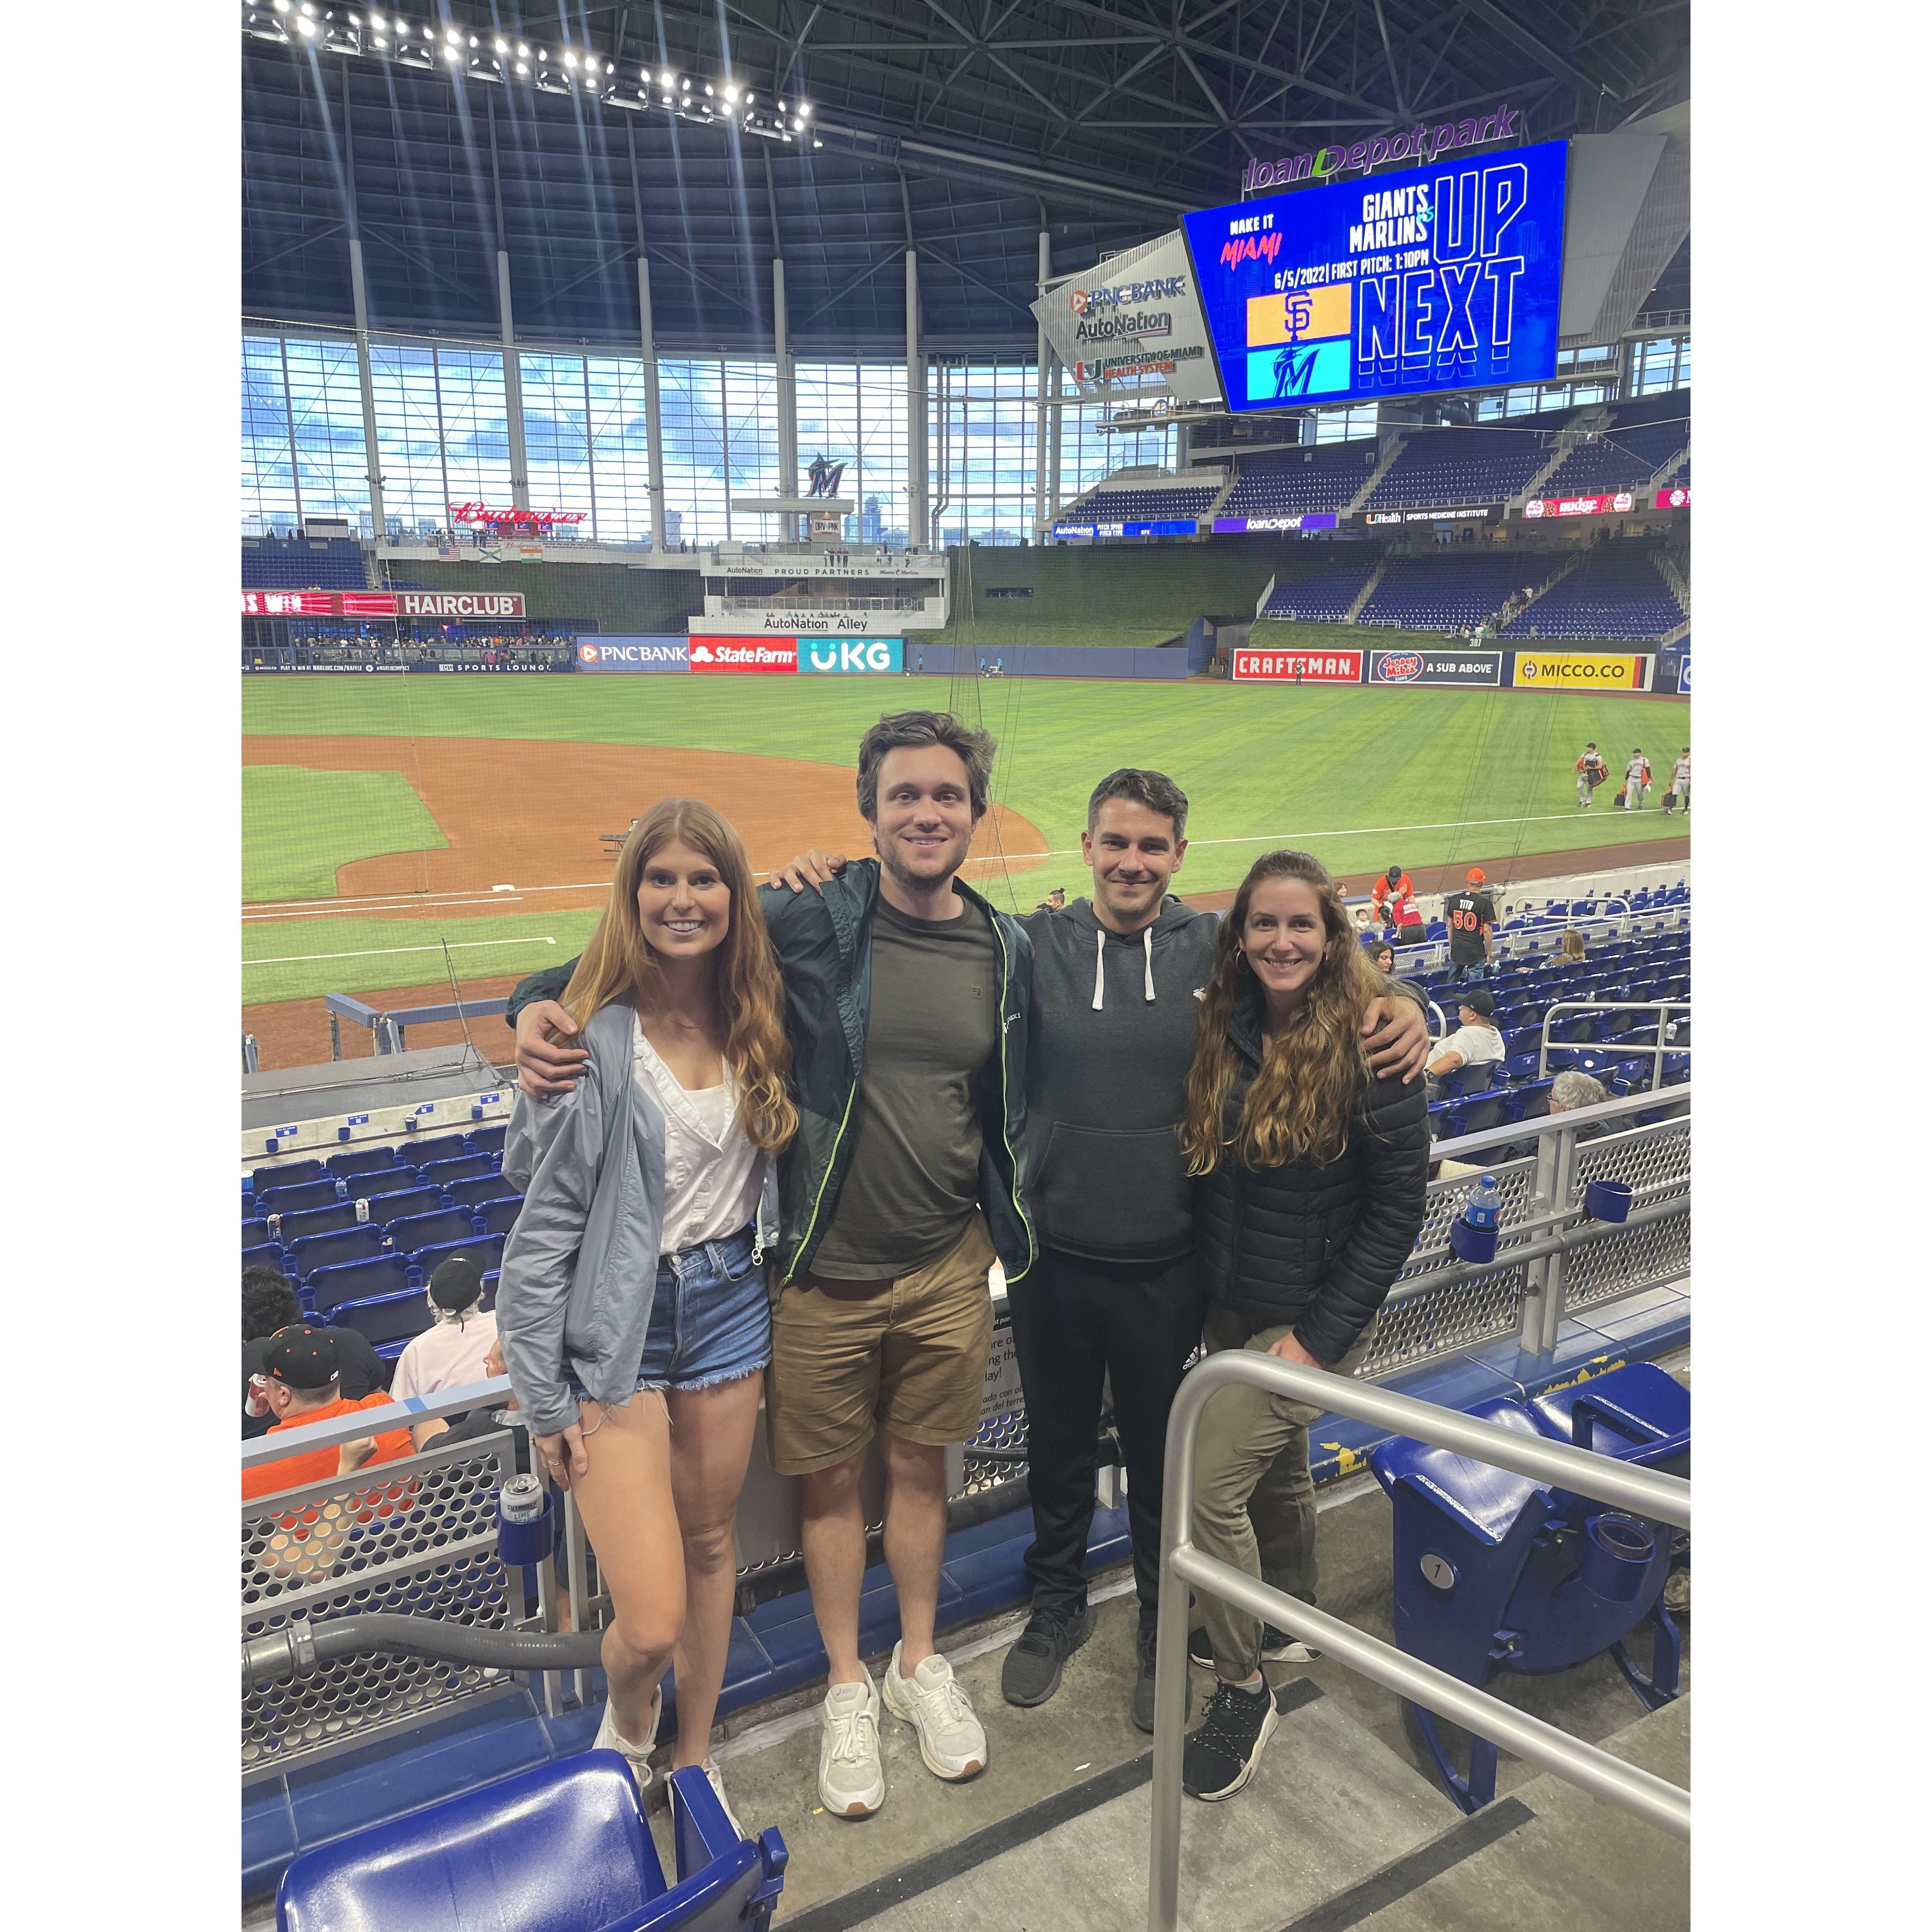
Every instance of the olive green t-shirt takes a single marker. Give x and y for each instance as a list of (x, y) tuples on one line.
[(913, 1181)]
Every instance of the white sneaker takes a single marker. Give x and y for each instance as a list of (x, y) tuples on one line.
[(635, 1755), (851, 1781), (950, 1738), (717, 1783)]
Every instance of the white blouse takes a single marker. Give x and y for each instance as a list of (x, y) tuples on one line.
[(713, 1174)]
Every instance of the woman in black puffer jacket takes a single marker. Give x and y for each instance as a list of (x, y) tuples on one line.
[(1311, 1181)]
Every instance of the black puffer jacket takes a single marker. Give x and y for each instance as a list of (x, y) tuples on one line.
[(1315, 1246)]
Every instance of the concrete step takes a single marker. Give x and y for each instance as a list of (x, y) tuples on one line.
[(1548, 1855)]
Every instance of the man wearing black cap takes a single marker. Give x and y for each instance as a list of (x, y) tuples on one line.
[(301, 1383), (268, 1305), (455, 1350), (1474, 1040)]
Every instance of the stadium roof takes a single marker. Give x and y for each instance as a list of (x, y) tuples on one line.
[(958, 125)]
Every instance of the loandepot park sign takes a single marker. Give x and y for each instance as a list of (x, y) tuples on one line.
[(1417, 146)]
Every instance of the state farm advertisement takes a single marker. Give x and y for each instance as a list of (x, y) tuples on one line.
[(1251, 666), (1436, 668), (1579, 506), (743, 654), (1578, 670)]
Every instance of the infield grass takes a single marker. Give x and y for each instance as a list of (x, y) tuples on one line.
[(299, 825), (1362, 776)]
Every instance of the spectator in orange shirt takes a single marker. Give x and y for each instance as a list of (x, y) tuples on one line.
[(1394, 884)]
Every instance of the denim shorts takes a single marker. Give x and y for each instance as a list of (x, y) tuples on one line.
[(710, 1319)]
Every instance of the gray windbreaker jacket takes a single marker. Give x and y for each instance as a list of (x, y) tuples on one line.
[(581, 1266)]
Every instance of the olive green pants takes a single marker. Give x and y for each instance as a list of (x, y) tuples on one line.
[(1254, 1500)]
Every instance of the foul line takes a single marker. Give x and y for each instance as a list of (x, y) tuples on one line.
[(382, 952), (260, 910)]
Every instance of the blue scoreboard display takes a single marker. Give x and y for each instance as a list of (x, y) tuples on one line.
[(1446, 276)]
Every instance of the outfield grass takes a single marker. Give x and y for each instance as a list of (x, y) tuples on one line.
[(298, 826), (1360, 775)]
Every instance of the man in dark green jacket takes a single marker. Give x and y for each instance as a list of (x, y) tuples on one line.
[(907, 1001)]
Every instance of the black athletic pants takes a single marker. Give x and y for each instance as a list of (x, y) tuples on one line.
[(1075, 1322)]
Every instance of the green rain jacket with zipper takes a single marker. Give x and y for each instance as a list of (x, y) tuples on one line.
[(823, 941)]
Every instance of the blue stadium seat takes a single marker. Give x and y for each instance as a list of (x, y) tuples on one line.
[(264, 1254), (467, 1167), (255, 1232), (478, 1188), (343, 1244), (419, 1153), (285, 1174), (384, 1208), (319, 1220), (1530, 1101), (1484, 1111), (488, 1139), (358, 1281), (1441, 1119), (488, 1250), (563, 1848), (305, 1194), (389, 1321), (421, 1231), (364, 1161), (1466, 1080), (1637, 1412), (499, 1216)]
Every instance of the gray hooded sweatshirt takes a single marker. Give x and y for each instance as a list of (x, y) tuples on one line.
[(1108, 1050)]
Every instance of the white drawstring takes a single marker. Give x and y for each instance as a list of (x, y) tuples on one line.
[(1100, 967)]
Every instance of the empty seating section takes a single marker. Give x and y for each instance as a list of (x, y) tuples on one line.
[(1324, 479), (302, 563), (1442, 592), (1440, 468), (1617, 592), (398, 1214), (1613, 1046), (1160, 504), (1642, 437), (1325, 595)]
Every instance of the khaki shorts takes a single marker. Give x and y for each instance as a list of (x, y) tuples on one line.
[(908, 1355)]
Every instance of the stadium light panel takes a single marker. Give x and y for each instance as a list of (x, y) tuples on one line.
[(668, 78), (281, 6), (501, 46), (730, 93), (569, 58), (450, 34), (306, 26)]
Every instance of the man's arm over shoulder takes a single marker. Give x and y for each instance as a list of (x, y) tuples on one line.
[(548, 984)]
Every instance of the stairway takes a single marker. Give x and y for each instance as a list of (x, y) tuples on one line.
[(1575, 563), (1591, 422), (1680, 589), (1391, 450), (1367, 591)]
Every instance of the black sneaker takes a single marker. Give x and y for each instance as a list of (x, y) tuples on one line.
[(1031, 1672), (1143, 1679), (1220, 1756), (1277, 1647)]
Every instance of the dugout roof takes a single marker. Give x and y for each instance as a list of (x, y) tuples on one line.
[(957, 125)]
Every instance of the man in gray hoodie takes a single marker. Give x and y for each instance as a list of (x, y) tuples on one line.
[(1113, 1298)]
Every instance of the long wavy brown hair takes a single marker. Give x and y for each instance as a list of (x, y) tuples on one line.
[(1302, 1100), (620, 963)]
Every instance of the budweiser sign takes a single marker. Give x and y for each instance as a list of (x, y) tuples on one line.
[(480, 518)]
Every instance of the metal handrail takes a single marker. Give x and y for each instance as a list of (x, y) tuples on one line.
[(1645, 1493), (1662, 1008)]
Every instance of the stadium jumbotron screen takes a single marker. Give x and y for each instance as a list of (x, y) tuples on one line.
[(1438, 277)]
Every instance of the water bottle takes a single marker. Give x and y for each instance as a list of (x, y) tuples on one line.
[(521, 1499), (1484, 1204)]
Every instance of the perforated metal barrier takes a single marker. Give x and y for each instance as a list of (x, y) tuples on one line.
[(417, 1537)]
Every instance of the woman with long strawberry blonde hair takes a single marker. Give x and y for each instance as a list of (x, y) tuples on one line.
[(632, 1308), (1311, 1173)]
